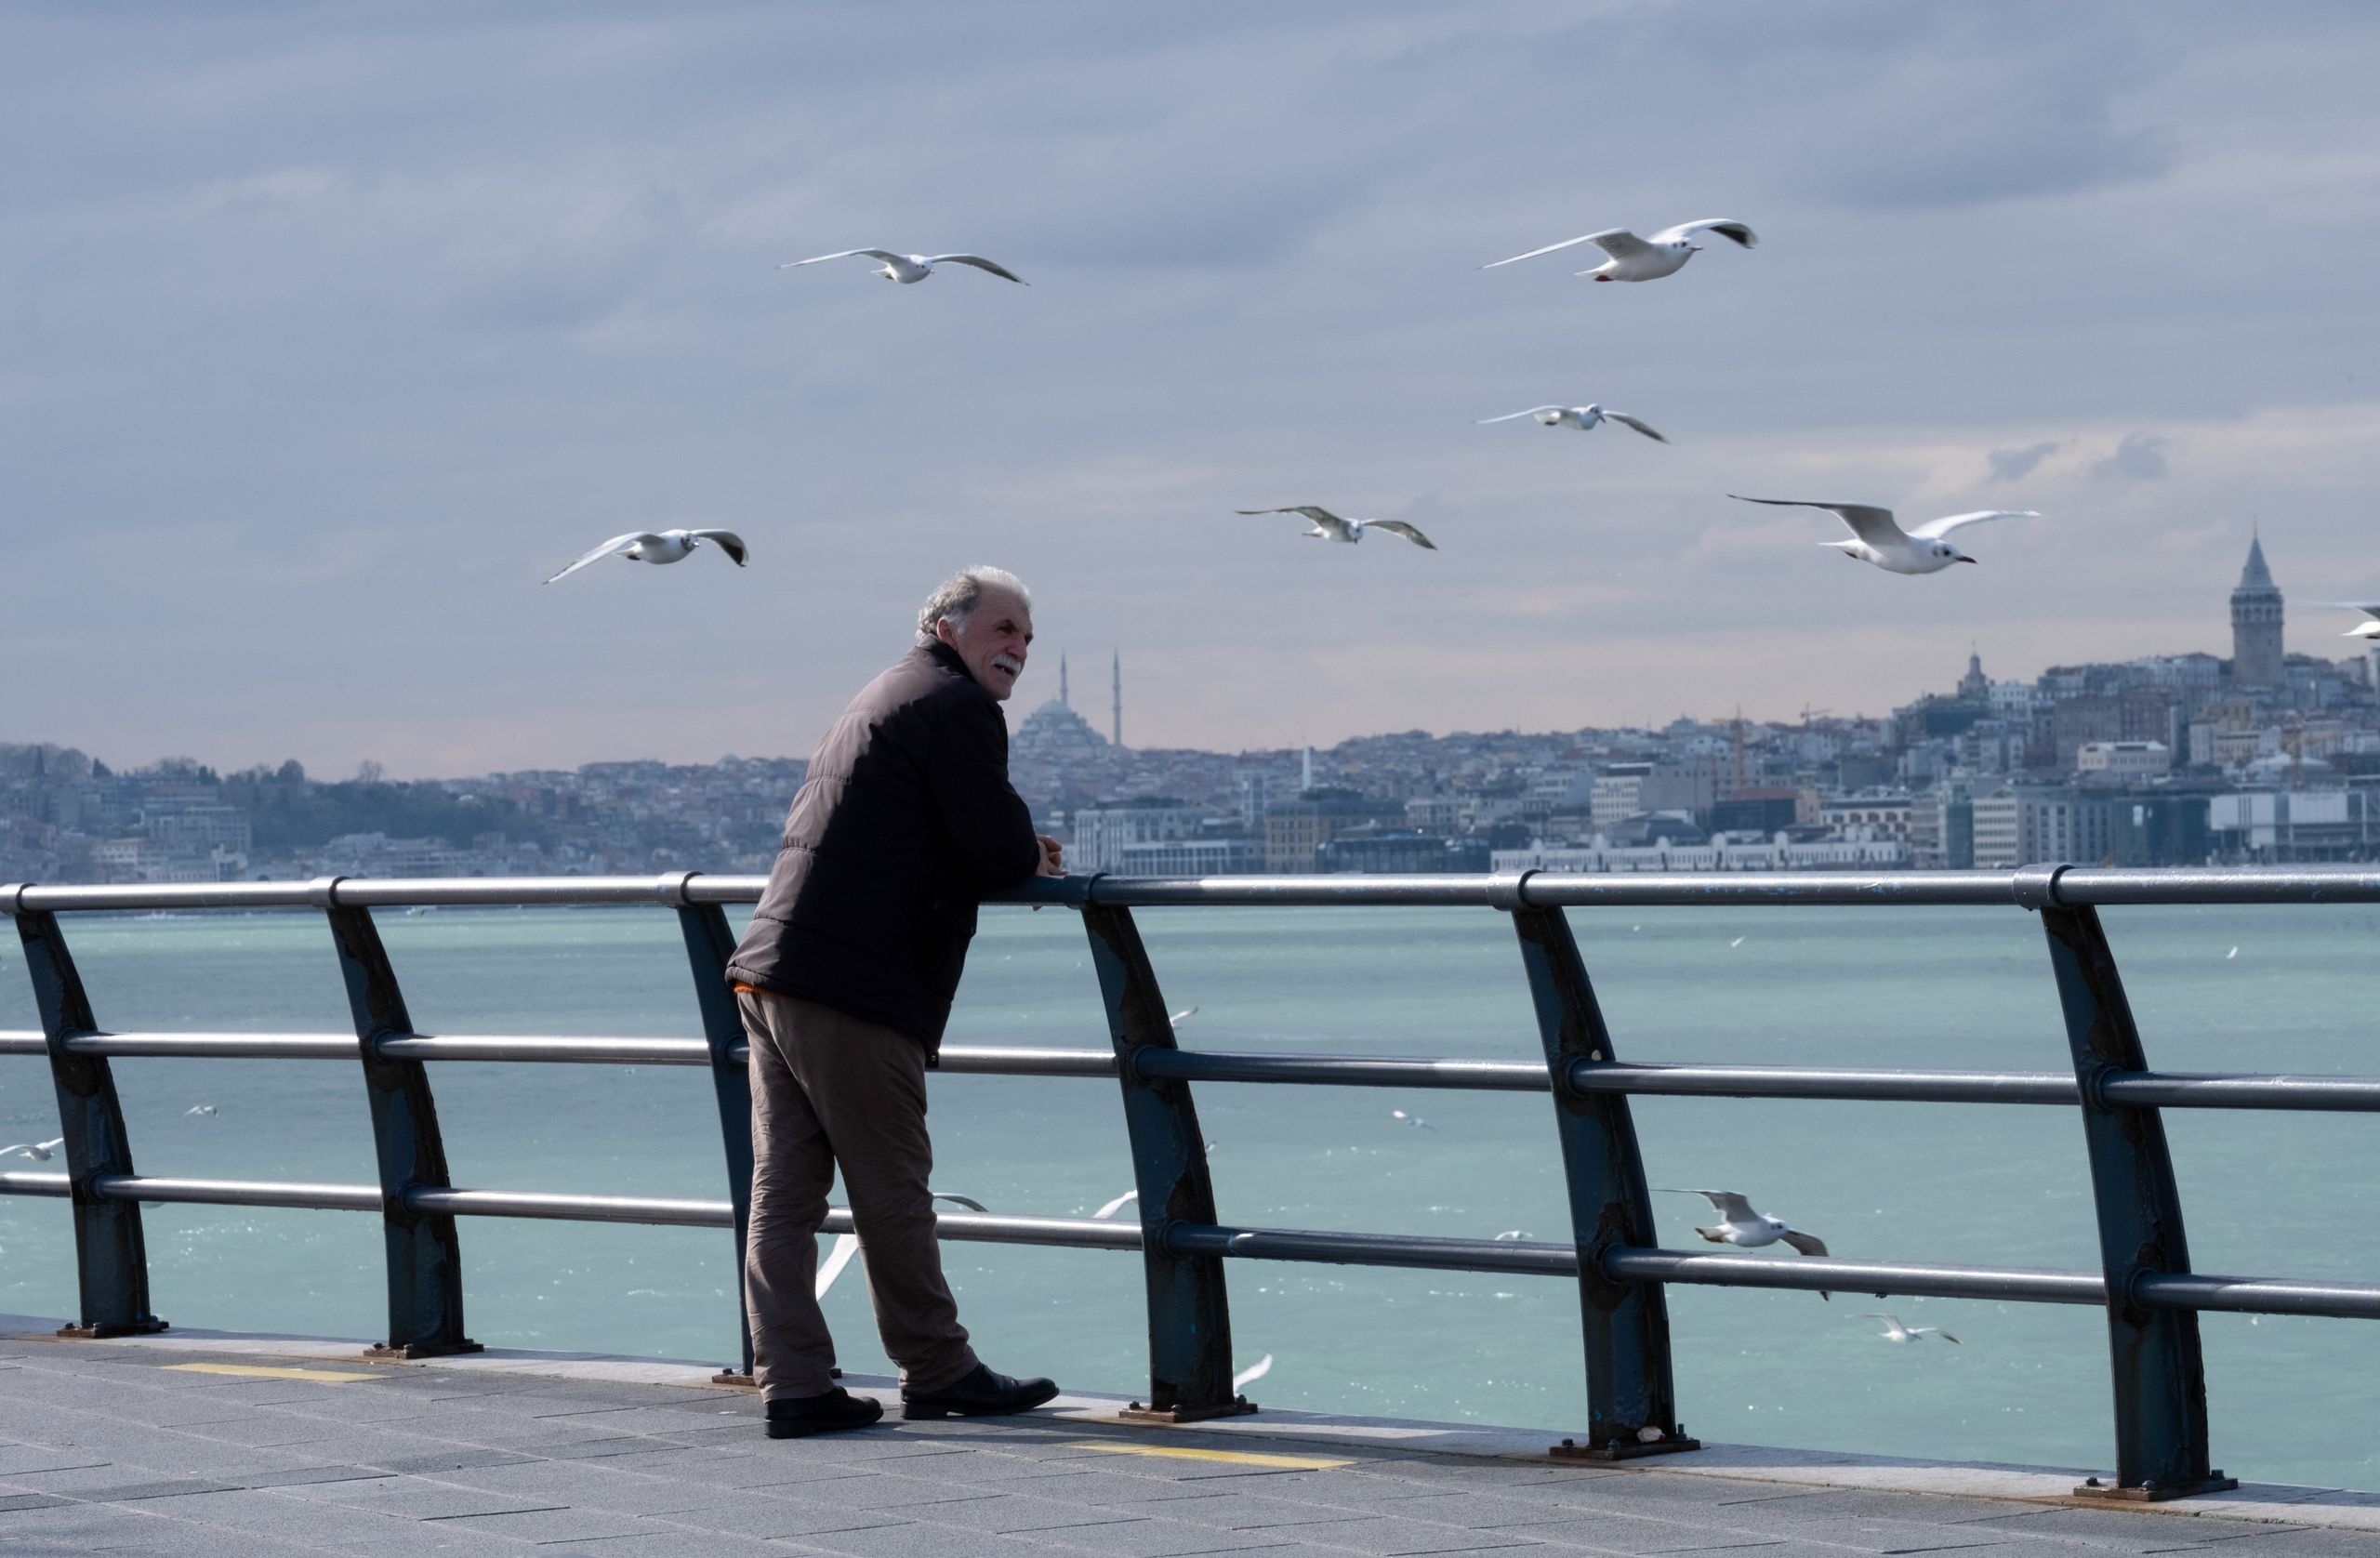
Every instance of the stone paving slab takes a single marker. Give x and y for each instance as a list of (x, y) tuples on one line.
[(121, 1445)]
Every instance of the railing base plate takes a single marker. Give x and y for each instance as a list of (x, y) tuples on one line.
[(735, 1378), (421, 1349), (113, 1327), (1136, 1413), (2154, 1493), (1621, 1449)]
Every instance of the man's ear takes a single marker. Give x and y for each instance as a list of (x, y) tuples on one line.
[(943, 632)]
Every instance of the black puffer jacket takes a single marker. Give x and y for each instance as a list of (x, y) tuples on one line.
[(905, 820)]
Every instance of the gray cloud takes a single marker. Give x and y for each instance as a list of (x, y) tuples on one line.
[(2015, 464), (329, 324), (2138, 458)]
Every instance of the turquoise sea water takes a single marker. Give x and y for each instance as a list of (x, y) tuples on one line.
[(2265, 1193)]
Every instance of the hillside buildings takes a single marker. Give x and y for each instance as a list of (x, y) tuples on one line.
[(2166, 759)]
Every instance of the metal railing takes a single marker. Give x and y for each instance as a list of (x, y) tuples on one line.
[(2145, 1284)]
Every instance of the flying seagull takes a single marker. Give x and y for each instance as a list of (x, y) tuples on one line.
[(40, 1152), (1118, 1205), (1877, 539), (1896, 1331), (1644, 259), (1329, 526), (2362, 629), (911, 268), (200, 1109), (1746, 1229), (1403, 1118), (1583, 418), (1182, 1016), (665, 545), (1252, 1373)]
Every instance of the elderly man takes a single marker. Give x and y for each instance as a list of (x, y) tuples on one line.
[(844, 980)]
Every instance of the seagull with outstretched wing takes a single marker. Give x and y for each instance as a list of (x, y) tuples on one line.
[(1644, 259), (40, 1152), (2362, 629), (911, 268), (1878, 538), (1329, 526), (662, 545), (1586, 418), (1746, 1229), (1895, 1331)]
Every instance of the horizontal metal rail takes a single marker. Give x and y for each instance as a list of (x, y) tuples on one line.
[(2151, 1089), (2244, 1295), (2074, 886)]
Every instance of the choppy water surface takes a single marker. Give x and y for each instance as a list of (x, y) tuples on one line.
[(1936, 987)]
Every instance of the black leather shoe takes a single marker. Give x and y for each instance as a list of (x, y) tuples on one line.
[(978, 1393), (821, 1414)]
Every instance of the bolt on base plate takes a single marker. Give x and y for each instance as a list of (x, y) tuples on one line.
[(1136, 1413), (105, 1329), (2156, 1492), (383, 1353), (1622, 1449)]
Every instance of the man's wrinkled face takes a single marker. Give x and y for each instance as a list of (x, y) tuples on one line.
[(992, 641)]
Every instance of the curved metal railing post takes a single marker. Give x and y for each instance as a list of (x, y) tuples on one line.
[(709, 945), (1189, 1315), (425, 1260), (111, 1257), (1632, 1401), (2160, 1377)]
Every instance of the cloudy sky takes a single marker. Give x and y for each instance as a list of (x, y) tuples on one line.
[(326, 332)]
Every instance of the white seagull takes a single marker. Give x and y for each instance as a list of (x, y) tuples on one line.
[(911, 268), (1877, 539), (1118, 1205), (2363, 629), (1403, 1118), (1583, 418), (200, 1109), (1644, 259), (1182, 1016), (40, 1152), (1746, 1229), (1329, 526), (1896, 1331), (1252, 1373), (662, 545)]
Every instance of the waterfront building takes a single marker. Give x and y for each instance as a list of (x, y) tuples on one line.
[(1720, 855), (2289, 826), (1401, 851), (2028, 824), (1190, 857), (1103, 833), (1295, 829)]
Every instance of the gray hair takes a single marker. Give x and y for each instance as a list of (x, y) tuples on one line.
[(957, 597)]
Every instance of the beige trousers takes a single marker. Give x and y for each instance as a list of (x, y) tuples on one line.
[(826, 1090)]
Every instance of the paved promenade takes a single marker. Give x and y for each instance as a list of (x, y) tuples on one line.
[(212, 1444)]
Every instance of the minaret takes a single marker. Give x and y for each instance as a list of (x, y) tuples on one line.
[(2255, 624), (1117, 713), (1974, 686), (1062, 680)]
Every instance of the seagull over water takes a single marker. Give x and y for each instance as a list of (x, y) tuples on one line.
[(1878, 539), (909, 269), (1329, 526), (1586, 418), (40, 1152), (2363, 629), (1746, 1229), (662, 545), (1645, 260), (201, 1109), (1896, 1331)]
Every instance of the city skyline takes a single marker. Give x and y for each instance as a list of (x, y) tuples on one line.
[(452, 296)]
